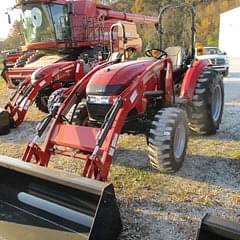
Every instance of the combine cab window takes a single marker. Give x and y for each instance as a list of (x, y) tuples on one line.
[(60, 21), (37, 23), (43, 23)]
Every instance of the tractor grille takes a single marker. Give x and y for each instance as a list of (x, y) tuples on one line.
[(98, 111)]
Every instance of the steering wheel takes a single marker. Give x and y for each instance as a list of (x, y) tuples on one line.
[(156, 53)]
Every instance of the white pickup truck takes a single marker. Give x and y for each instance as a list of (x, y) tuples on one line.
[(218, 59)]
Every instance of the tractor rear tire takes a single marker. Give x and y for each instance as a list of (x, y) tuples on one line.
[(55, 97), (208, 103), (168, 140), (42, 100)]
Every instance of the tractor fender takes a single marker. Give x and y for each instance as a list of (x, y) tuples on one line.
[(191, 77)]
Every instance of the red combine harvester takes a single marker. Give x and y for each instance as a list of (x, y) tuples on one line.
[(138, 96), (67, 31)]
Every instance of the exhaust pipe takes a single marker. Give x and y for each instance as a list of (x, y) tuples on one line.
[(215, 228), (4, 122), (41, 203)]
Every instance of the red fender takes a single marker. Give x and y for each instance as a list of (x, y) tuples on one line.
[(191, 77)]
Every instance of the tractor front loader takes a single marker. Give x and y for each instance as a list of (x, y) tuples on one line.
[(152, 96)]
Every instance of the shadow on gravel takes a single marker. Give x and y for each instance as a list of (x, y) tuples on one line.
[(220, 171), (20, 135), (131, 158)]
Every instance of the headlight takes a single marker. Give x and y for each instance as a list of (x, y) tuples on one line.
[(95, 99)]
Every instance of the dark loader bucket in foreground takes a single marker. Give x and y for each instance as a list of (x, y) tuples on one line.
[(38, 203), (215, 228)]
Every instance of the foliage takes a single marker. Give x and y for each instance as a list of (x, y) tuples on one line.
[(207, 24), (15, 38)]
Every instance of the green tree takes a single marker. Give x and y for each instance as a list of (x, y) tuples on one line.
[(15, 38)]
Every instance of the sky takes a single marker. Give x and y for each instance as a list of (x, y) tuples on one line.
[(5, 27)]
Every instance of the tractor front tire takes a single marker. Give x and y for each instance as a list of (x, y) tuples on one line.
[(208, 103), (55, 97), (80, 116), (168, 140), (42, 100)]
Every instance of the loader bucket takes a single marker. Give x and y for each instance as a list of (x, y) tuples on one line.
[(4, 121), (215, 228), (38, 203)]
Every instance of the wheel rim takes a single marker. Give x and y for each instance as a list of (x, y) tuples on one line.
[(216, 103), (179, 141)]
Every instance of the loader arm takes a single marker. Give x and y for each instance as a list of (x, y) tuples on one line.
[(27, 92)]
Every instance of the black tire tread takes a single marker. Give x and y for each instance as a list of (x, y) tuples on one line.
[(160, 147), (38, 100), (201, 120)]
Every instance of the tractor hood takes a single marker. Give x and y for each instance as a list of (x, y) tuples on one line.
[(60, 70), (112, 80)]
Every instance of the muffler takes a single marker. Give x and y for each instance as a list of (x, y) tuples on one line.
[(4, 122), (39, 203), (215, 228)]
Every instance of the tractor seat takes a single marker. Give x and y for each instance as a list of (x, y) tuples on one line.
[(177, 54)]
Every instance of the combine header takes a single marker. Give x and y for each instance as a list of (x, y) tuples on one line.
[(152, 96)]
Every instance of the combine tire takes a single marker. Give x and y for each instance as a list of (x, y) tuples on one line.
[(42, 100), (55, 97), (208, 102), (168, 140)]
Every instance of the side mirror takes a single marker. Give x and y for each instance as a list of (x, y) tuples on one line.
[(224, 53), (9, 18)]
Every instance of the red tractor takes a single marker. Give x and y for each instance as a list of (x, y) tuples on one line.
[(67, 31), (153, 95)]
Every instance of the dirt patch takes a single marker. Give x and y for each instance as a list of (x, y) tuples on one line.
[(158, 206)]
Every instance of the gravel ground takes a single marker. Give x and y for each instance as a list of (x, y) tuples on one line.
[(166, 207)]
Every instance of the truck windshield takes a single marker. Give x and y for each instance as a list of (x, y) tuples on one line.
[(44, 23), (212, 51)]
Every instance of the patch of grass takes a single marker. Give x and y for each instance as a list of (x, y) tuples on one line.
[(235, 154), (214, 147)]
